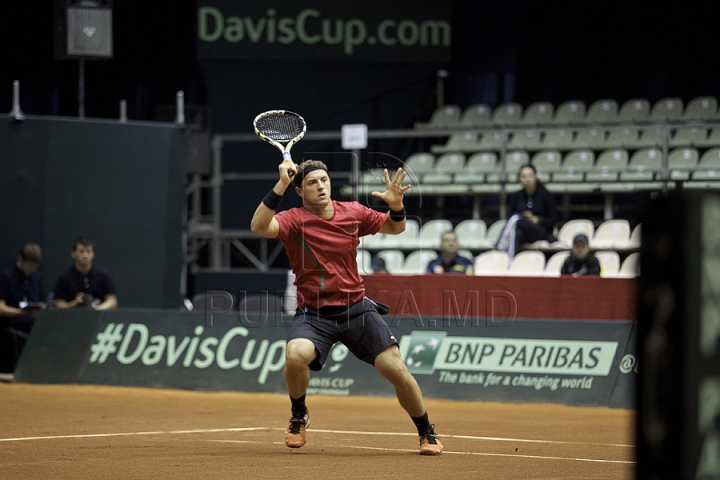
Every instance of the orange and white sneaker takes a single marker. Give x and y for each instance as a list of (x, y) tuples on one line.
[(295, 433), (430, 444)]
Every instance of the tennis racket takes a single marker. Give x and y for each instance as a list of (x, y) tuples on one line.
[(280, 128)]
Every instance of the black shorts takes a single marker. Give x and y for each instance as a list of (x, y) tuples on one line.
[(359, 327)]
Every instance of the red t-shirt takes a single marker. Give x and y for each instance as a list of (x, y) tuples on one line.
[(322, 252)]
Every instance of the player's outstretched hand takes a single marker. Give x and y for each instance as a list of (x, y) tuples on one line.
[(394, 189)]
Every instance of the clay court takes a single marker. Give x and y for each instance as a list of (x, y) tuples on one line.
[(81, 431)]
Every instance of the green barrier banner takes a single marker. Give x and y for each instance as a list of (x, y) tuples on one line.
[(571, 362)]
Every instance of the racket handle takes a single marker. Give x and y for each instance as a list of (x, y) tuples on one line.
[(291, 173)]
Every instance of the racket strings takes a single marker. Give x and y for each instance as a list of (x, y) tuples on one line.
[(280, 128)]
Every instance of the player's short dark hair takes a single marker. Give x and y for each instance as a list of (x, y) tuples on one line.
[(306, 167), (83, 240), (31, 252)]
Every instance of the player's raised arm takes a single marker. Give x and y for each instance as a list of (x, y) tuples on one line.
[(393, 196), (263, 222)]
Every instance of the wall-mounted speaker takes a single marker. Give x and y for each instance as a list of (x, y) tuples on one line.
[(83, 29)]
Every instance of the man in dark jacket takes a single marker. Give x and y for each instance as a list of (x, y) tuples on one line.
[(581, 261)]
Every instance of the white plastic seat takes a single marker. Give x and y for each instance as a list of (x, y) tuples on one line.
[(590, 138), (471, 233), (444, 116), (570, 112), (609, 263), (477, 115), (630, 266), (538, 113), (555, 263), (667, 110), (612, 234), (408, 237), (681, 162), (608, 165), (513, 162), (573, 227), (528, 263), (417, 261), (701, 108), (394, 260), (643, 165), (689, 137), (492, 263), (450, 163), (636, 237), (526, 139), (507, 114), (373, 242), (459, 142), (635, 110), (364, 262), (419, 163), (478, 165), (708, 168), (602, 111), (558, 138), (431, 233), (493, 233)]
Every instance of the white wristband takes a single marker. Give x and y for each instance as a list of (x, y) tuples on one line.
[(287, 156)]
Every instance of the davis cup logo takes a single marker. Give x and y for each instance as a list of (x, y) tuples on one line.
[(420, 349)]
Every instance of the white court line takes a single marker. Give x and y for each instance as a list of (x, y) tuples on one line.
[(446, 452), (342, 432)]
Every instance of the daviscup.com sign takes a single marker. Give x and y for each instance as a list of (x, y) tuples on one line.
[(325, 30)]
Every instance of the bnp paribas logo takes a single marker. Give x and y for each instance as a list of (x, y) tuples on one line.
[(420, 350)]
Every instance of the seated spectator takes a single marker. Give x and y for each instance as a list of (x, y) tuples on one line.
[(85, 285), (580, 261), (21, 295), (449, 261), (378, 266), (533, 214)]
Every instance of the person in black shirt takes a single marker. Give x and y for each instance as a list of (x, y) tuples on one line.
[(84, 284), (580, 261), (533, 214), (21, 295)]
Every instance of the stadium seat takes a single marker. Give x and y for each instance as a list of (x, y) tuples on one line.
[(525, 140), (609, 163), (558, 138), (471, 233), (405, 239), (611, 234), (491, 263), (708, 168), (713, 138), (622, 138), (554, 264), (609, 263), (464, 252), (394, 260), (493, 234), (442, 117), (477, 115), (450, 163), (571, 112), (667, 110), (546, 162), (364, 262), (573, 227), (513, 162), (459, 142), (478, 165), (602, 112), (630, 267), (649, 137), (636, 237), (701, 108), (528, 263), (635, 110), (418, 164), (590, 138), (681, 163), (689, 137), (643, 165), (430, 233), (507, 114), (416, 262), (373, 242), (574, 166), (491, 141), (538, 113)]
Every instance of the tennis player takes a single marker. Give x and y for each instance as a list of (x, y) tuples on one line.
[(321, 240)]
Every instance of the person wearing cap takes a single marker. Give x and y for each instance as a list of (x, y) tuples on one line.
[(321, 239), (21, 296), (378, 266), (581, 261)]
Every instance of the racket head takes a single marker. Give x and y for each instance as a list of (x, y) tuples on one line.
[(281, 128)]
